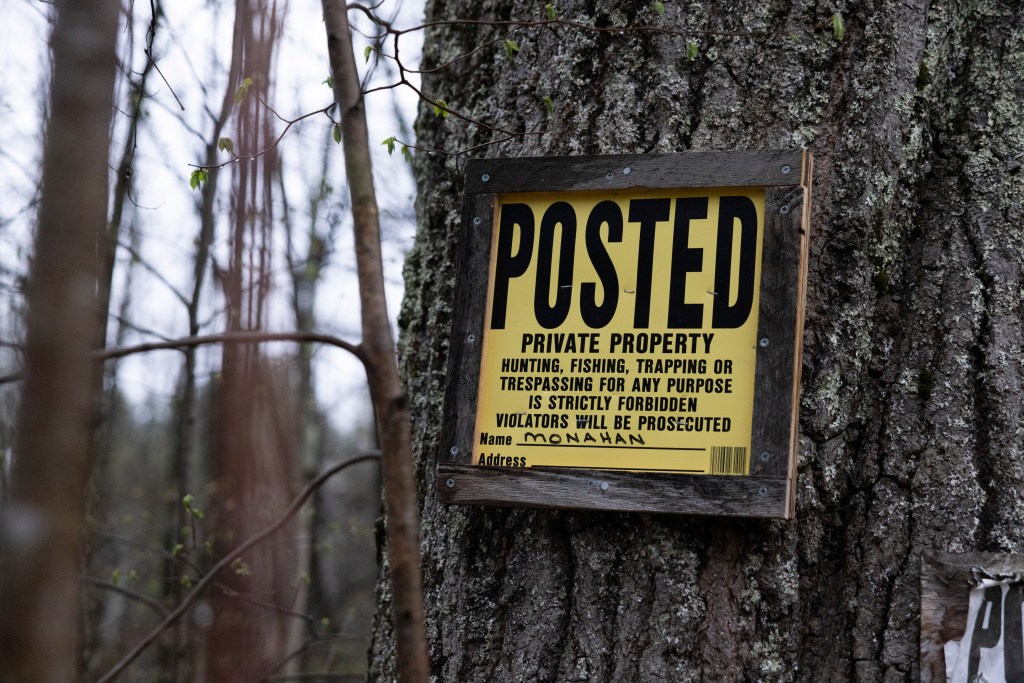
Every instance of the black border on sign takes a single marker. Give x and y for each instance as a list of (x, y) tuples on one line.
[(769, 490)]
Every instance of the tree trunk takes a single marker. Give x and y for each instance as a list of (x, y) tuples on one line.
[(911, 370), (42, 522)]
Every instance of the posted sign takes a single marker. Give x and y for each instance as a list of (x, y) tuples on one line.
[(621, 331), (611, 324)]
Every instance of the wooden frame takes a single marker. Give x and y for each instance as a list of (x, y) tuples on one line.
[(768, 491)]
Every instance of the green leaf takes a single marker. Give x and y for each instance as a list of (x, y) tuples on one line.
[(177, 550), (337, 133), (186, 582), (198, 177), (691, 50), (367, 52), (552, 14), (511, 48), (390, 142), (329, 81), (115, 577), (133, 576), (549, 104), (407, 154), (838, 28), (441, 107), (226, 145), (242, 90), (187, 500), (659, 7)]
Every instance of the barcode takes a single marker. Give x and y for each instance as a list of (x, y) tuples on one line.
[(728, 460)]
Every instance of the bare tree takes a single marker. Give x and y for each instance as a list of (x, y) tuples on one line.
[(43, 518)]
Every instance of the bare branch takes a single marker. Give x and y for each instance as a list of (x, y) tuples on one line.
[(225, 561), (138, 597), (232, 338)]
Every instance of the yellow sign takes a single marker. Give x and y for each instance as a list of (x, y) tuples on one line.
[(621, 331)]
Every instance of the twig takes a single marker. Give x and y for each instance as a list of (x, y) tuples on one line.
[(231, 338), (226, 561), (138, 597)]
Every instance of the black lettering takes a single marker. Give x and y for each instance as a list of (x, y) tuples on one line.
[(594, 316), (729, 209), (685, 259), (550, 316), (648, 213), (1013, 640), (987, 627), (508, 265)]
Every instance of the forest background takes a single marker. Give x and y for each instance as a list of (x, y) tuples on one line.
[(229, 210)]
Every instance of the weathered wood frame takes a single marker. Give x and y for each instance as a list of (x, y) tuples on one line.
[(769, 490)]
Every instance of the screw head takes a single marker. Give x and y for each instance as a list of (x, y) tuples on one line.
[(477, 220), (450, 483), (786, 169), (763, 491), (604, 486), (471, 338), (627, 171), (763, 342), (609, 175), (485, 177), (783, 209), (454, 451), (764, 456)]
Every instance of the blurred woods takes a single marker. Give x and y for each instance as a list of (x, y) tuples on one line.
[(197, 449)]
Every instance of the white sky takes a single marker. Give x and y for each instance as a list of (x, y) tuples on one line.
[(192, 51)]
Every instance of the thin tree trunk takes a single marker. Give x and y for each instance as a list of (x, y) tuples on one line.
[(391, 404), (43, 520), (910, 436)]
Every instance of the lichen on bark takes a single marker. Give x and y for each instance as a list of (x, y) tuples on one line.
[(910, 422)]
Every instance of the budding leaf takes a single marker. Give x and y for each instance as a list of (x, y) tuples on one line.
[(838, 28), (367, 52), (441, 107), (550, 9), (549, 104), (390, 142), (242, 90), (691, 51), (511, 48), (115, 577), (329, 81), (337, 133), (407, 154), (226, 145), (198, 177), (659, 7)]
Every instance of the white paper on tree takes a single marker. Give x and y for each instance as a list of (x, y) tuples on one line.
[(992, 649)]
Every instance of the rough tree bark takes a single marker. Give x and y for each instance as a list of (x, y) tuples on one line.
[(910, 436), (42, 522)]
